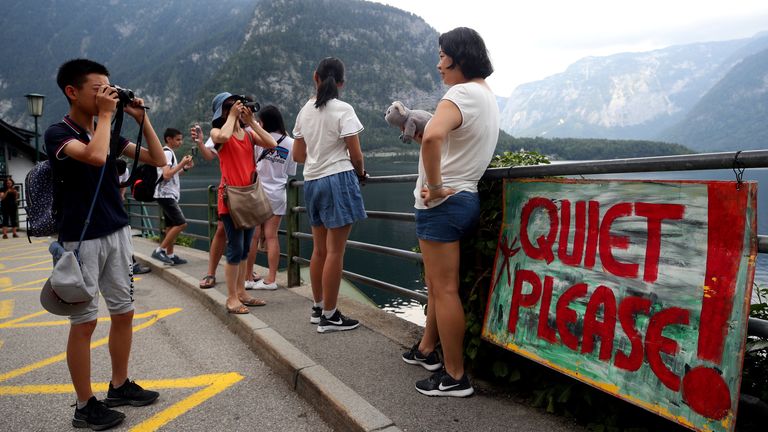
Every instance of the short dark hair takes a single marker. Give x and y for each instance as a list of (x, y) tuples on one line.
[(272, 119), (74, 73), (467, 49), (170, 133)]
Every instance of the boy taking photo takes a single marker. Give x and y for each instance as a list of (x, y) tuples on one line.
[(79, 146)]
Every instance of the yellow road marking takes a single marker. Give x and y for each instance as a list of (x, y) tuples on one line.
[(5, 282), (213, 384), (10, 323), (19, 322), (38, 287), (23, 246), (158, 314), (25, 257), (6, 309), (28, 266), (26, 253)]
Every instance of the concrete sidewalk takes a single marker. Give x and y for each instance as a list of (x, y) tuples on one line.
[(356, 380)]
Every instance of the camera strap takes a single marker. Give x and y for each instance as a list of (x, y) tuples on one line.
[(115, 141)]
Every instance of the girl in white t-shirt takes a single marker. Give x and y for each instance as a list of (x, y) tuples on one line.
[(273, 166), (456, 148), (327, 143)]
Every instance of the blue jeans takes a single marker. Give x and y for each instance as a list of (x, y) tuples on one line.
[(238, 241)]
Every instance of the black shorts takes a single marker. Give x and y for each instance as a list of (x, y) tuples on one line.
[(171, 211)]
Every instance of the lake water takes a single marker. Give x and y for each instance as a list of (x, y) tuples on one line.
[(401, 235)]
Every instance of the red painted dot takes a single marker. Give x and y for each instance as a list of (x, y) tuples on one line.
[(705, 391)]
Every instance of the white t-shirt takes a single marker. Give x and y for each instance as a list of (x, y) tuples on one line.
[(274, 170), (468, 149), (124, 176), (170, 188), (210, 145), (324, 131)]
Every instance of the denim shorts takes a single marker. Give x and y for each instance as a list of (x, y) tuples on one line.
[(334, 201), (451, 220), (238, 241)]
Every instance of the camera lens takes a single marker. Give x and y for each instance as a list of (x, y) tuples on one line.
[(254, 106)]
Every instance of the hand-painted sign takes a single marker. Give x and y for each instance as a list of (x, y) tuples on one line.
[(638, 288)]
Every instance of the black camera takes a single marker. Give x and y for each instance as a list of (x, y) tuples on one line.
[(125, 95), (248, 102)]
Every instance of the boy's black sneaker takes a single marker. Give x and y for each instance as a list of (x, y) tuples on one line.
[(442, 384), (129, 393), (337, 322), (429, 362), (177, 260), (97, 416), (317, 312)]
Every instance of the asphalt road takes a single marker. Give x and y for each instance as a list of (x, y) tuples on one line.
[(207, 379)]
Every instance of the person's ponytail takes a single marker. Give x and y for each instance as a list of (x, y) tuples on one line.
[(326, 91), (330, 73)]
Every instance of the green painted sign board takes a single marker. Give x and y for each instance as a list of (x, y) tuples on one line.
[(638, 288)]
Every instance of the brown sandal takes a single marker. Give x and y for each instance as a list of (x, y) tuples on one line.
[(209, 281), (253, 301), (242, 309)]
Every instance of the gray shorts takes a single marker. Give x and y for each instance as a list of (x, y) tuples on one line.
[(107, 266)]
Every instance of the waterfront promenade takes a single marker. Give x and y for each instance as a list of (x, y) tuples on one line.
[(356, 380)]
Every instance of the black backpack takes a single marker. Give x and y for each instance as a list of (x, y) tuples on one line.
[(40, 193), (145, 180)]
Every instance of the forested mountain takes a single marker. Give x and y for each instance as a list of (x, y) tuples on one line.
[(177, 54), (389, 55), (731, 116), (627, 95), (162, 50), (588, 148)]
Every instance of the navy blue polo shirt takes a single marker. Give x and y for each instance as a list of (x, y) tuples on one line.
[(78, 186)]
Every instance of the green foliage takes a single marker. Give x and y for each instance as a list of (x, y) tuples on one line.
[(755, 372), (590, 148)]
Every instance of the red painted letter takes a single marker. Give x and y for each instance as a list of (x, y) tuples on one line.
[(627, 310), (566, 315), (544, 249), (655, 344), (545, 331), (604, 297), (655, 213), (593, 227), (520, 299), (608, 242), (574, 258)]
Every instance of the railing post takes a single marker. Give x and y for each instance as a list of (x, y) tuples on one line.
[(292, 243), (212, 216)]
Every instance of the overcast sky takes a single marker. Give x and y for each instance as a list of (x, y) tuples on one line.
[(530, 40)]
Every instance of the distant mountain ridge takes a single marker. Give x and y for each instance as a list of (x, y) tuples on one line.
[(178, 54), (732, 115), (625, 96)]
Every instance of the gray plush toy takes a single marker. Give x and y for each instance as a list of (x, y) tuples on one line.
[(411, 122)]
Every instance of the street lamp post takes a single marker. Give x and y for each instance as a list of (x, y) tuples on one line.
[(35, 109)]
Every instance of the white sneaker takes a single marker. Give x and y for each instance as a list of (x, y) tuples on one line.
[(260, 285), (249, 284)]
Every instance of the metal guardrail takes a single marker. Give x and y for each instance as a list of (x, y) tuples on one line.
[(708, 161)]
